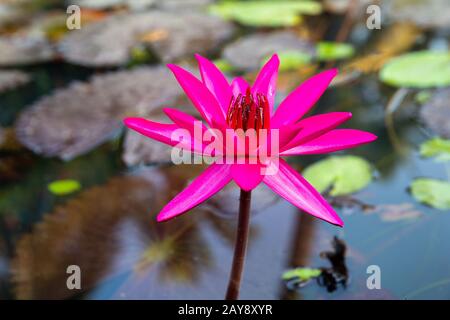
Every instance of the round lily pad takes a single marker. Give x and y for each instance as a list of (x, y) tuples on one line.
[(169, 35), (64, 187), (421, 69), (437, 148), (248, 52), (435, 193), (291, 60), (342, 175), (327, 51), (266, 13)]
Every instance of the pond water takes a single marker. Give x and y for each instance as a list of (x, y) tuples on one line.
[(124, 254), (109, 230)]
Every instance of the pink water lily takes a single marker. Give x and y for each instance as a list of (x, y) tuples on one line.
[(240, 106)]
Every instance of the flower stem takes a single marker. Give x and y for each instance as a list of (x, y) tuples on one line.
[(240, 246)]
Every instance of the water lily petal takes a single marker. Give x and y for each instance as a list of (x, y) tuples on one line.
[(154, 130), (302, 99), (314, 126), (294, 188), (266, 80), (200, 96), (215, 81), (239, 86), (212, 180), (247, 176), (334, 140)]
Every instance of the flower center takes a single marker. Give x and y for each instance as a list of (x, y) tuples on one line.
[(249, 112)]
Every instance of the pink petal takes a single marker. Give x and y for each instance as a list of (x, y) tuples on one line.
[(215, 81), (294, 188), (200, 96), (314, 126), (302, 99), (154, 130), (266, 80), (208, 183), (239, 86), (335, 140), (247, 176)]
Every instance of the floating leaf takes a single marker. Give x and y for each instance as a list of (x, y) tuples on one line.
[(109, 42), (303, 274), (82, 116), (435, 113), (424, 13), (421, 69), (436, 147), (248, 52), (64, 187), (10, 79), (17, 51), (266, 13), (327, 51), (435, 193), (343, 174), (224, 65), (291, 60)]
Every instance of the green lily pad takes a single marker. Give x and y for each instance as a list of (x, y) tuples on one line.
[(291, 60), (327, 51), (265, 13), (343, 175), (435, 193), (224, 65), (421, 69), (437, 148), (64, 187), (303, 274)]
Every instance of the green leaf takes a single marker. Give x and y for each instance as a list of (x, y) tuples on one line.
[(291, 60), (421, 69), (304, 274), (435, 193), (64, 187), (327, 51), (343, 174), (436, 147), (224, 65), (266, 13)]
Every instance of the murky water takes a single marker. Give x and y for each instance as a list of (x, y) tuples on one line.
[(109, 230)]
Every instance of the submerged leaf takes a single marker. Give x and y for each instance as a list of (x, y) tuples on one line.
[(248, 52), (64, 187), (435, 193), (422, 69), (328, 51), (436, 147), (343, 174), (266, 13)]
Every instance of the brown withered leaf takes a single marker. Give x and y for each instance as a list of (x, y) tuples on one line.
[(74, 120), (11, 79), (435, 113), (109, 42), (247, 53)]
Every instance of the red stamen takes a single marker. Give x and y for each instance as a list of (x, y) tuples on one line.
[(249, 112)]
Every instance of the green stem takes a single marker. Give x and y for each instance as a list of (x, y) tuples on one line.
[(240, 247)]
